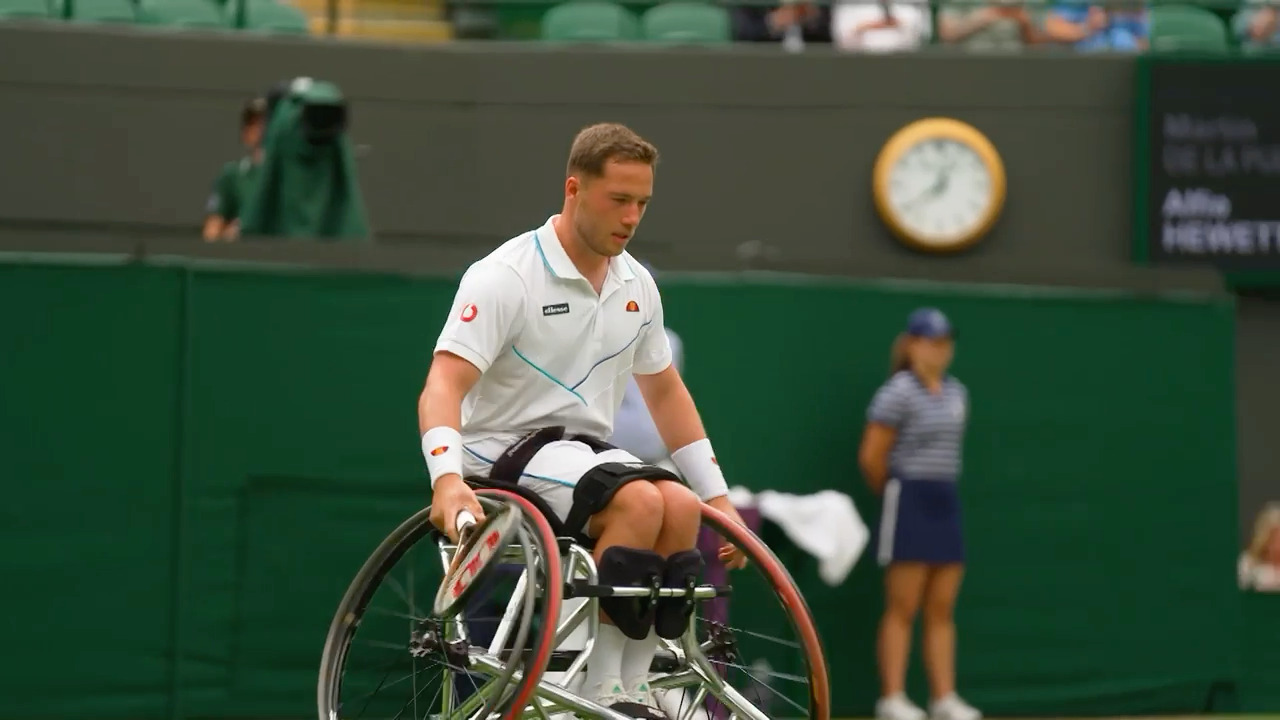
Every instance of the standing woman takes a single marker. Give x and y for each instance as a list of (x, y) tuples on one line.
[(910, 454)]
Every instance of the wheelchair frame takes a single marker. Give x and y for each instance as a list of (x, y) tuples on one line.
[(687, 652), (680, 665)]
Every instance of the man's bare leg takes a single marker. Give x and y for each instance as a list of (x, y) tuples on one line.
[(681, 519), (633, 519)]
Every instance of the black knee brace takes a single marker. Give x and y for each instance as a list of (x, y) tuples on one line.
[(629, 567), (672, 615)]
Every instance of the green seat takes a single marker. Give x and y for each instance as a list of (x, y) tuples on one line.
[(269, 16), (25, 9), (520, 20), (589, 21), (1187, 28), (103, 11), (687, 22), (182, 13)]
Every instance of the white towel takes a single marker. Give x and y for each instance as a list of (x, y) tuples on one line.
[(825, 524)]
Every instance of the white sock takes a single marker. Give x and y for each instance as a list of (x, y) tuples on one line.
[(605, 665), (637, 658)]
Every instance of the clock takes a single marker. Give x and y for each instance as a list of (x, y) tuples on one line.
[(939, 185)]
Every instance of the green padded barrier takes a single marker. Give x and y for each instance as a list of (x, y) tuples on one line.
[(91, 412), (202, 458)]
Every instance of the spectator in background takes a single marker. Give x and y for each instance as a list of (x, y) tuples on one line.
[(238, 177), (911, 454), (997, 27), (880, 26), (1094, 28), (1256, 27), (761, 23), (1259, 566)]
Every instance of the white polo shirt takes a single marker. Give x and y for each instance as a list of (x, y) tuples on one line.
[(550, 350)]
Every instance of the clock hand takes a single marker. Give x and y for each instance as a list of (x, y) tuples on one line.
[(944, 180), (929, 193), (923, 195), (935, 189)]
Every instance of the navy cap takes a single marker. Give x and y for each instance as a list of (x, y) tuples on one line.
[(929, 323)]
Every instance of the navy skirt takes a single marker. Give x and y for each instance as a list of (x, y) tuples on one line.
[(920, 521)]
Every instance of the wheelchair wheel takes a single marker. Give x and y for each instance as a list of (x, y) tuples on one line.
[(387, 657), (765, 662)]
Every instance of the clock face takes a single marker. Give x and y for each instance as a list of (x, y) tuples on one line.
[(940, 190)]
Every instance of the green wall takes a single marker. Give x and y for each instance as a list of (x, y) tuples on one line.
[(202, 456)]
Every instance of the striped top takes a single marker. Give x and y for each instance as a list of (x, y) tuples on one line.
[(930, 427)]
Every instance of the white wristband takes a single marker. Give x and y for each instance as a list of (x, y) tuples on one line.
[(442, 447), (697, 463)]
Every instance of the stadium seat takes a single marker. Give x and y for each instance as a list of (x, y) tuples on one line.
[(589, 21), (103, 11), (683, 22), (25, 9), (1187, 28), (269, 16), (182, 13), (474, 23)]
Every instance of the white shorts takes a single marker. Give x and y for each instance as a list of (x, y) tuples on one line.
[(552, 473)]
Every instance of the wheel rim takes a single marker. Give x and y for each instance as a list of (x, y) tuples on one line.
[(770, 675), (431, 682)]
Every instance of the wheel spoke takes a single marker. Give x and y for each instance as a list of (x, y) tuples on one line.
[(501, 649), (385, 596)]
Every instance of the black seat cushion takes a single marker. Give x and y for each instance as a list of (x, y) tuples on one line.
[(557, 525)]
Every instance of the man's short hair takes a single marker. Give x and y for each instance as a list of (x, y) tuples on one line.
[(254, 110), (596, 145)]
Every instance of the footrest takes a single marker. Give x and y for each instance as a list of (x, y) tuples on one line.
[(581, 541), (584, 589)]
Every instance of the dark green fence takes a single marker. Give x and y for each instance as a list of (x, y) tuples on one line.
[(201, 457)]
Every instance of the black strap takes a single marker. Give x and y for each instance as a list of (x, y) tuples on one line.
[(598, 446), (596, 488), (593, 491), (511, 463)]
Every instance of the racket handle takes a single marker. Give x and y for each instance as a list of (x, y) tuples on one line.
[(464, 521)]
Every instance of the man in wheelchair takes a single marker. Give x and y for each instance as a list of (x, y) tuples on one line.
[(526, 378)]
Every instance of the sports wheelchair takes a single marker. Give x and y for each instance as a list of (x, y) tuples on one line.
[(443, 658)]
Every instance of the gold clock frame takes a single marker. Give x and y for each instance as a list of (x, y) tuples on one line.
[(928, 129)]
